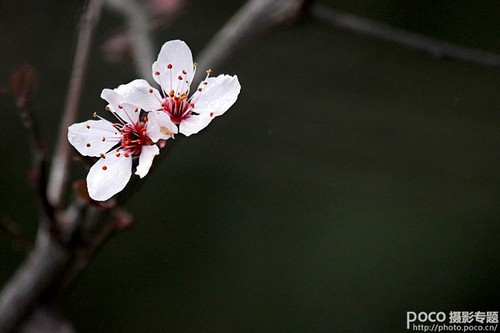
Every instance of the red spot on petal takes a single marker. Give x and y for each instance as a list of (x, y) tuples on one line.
[(88, 127), (104, 167), (169, 66), (157, 73)]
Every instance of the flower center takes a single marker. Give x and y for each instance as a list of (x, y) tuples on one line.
[(134, 137), (177, 107)]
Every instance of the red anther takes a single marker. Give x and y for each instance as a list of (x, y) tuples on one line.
[(136, 110), (179, 77), (104, 167), (157, 73), (172, 93), (103, 138), (169, 66), (88, 127), (118, 154), (211, 114), (184, 72), (120, 106), (107, 108), (205, 82), (126, 155), (191, 105), (88, 144), (150, 90), (199, 89)]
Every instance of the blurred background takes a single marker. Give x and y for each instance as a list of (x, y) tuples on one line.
[(353, 180)]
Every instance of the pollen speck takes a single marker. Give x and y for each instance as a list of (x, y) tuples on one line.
[(165, 131), (199, 89), (104, 167)]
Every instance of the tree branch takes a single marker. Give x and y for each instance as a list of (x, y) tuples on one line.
[(14, 232), (59, 167), (254, 18), (139, 30), (408, 39)]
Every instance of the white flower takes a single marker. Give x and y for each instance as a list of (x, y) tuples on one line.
[(173, 71), (118, 143)]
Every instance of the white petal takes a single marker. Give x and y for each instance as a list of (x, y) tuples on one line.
[(194, 124), (141, 94), (119, 105), (109, 176), (148, 153), (93, 137), (160, 126), (217, 96), (177, 54)]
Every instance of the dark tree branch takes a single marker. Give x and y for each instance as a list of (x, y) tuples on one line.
[(408, 39), (59, 167), (254, 18), (15, 234)]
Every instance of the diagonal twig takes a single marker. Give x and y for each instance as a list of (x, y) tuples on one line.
[(408, 39), (59, 167)]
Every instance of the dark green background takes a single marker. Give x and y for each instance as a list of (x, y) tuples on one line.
[(354, 180)]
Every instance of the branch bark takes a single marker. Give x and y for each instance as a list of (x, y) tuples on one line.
[(408, 39), (59, 167), (254, 18)]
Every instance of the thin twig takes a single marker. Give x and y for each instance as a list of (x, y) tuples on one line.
[(14, 232), (23, 84), (255, 17), (138, 21), (408, 39), (59, 167)]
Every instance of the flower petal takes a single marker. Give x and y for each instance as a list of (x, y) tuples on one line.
[(119, 105), (148, 153), (217, 96), (109, 176), (194, 124), (93, 137), (160, 126), (174, 61), (140, 94)]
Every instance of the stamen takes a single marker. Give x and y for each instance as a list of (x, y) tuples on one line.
[(104, 167)]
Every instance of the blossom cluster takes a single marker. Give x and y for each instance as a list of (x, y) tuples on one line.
[(146, 117)]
